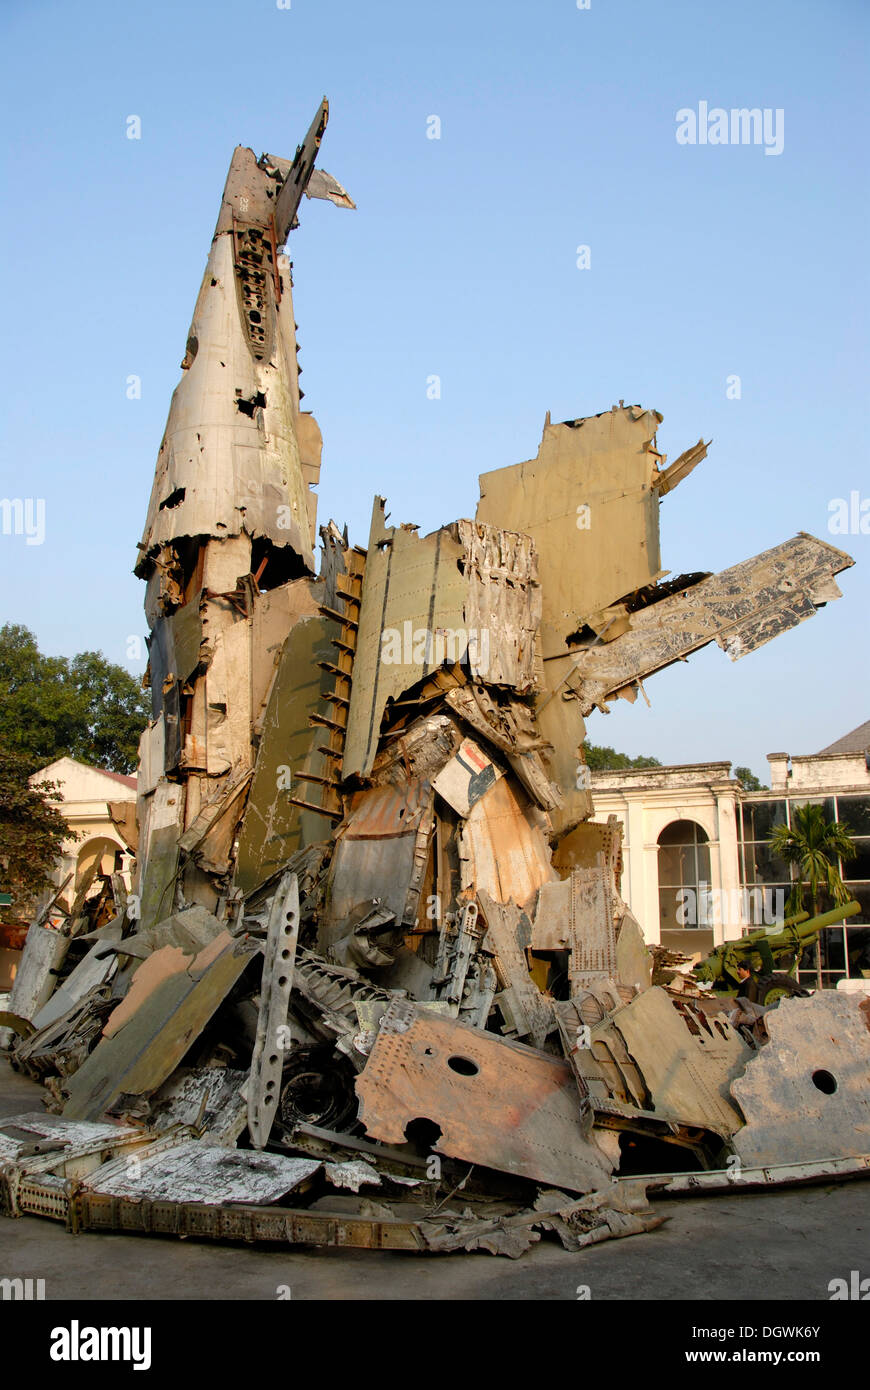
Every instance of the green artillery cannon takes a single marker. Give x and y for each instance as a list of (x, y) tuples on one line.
[(774, 955)]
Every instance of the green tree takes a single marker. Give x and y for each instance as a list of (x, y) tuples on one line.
[(749, 780), (601, 759), (50, 707), (813, 845), (32, 831)]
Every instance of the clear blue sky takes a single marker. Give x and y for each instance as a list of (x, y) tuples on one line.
[(558, 129)]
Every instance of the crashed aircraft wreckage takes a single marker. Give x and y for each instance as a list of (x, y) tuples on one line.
[(376, 984)]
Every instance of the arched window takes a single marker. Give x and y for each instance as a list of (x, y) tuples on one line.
[(684, 877)]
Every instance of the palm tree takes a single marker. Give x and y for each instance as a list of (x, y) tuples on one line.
[(813, 845)]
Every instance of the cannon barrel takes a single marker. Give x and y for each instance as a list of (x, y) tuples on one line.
[(795, 934)]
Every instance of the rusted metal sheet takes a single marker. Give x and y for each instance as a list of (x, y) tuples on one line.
[(527, 1013), (619, 1211), (419, 752), (97, 966), (466, 594), (228, 702), (688, 1061), (633, 959), (504, 849), (275, 614), (510, 727), (158, 872), (152, 746), (502, 603), (171, 998), (53, 1139), (92, 1211), (274, 825), (384, 813), (192, 930), (590, 845), (205, 1100), (209, 838), (576, 915), (295, 797), (193, 1171), (740, 609), (497, 1103), (380, 855), (753, 1179), (40, 1155), (665, 480), (457, 948), (806, 1096), (123, 814)]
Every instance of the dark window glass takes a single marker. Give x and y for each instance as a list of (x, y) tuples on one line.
[(759, 818), (859, 867), (826, 803), (855, 811), (762, 866), (684, 864), (859, 949), (862, 893)]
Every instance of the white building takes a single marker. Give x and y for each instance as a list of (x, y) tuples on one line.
[(99, 807), (697, 866)]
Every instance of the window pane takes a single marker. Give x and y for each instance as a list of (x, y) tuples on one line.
[(669, 905), (702, 860), (683, 832), (859, 867), (859, 949), (855, 811), (763, 866), (862, 893), (677, 865), (669, 865), (759, 818), (826, 802)]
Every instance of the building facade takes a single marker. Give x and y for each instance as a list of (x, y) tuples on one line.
[(698, 868), (99, 808)]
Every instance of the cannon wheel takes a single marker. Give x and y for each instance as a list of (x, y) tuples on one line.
[(779, 986)]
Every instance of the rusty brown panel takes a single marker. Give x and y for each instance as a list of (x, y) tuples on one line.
[(380, 813), (123, 814), (172, 997), (589, 844), (382, 852), (577, 914), (527, 1012), (504, 848), (497, 1103)]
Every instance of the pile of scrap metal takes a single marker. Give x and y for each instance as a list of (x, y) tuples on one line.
[(376, 983)]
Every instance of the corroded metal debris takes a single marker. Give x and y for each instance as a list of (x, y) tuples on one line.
[(374, 983)]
